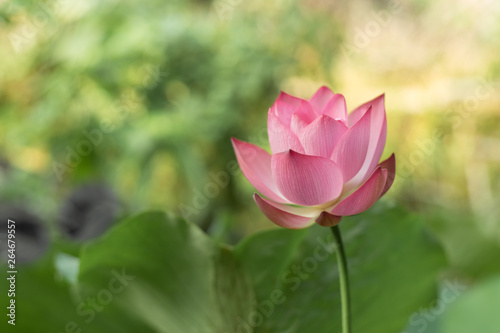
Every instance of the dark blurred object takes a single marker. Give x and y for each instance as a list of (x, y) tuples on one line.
[(31, 236), (88, 212), (4, 164)]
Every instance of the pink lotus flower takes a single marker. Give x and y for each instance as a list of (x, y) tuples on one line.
[(324, 163)]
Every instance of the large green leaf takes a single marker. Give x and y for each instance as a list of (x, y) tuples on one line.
[(393, 266), (45, 302), (173, 278), (42, 304), (475, 311)]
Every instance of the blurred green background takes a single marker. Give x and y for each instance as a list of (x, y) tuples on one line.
[(133, 103)]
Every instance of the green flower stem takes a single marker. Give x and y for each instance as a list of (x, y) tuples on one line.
[(344, 280)]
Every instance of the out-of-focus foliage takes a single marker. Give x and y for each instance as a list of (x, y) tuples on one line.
[(475, 311), (142, 97), (156, 88), (379, 276), (154, 273), (196, 276)]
